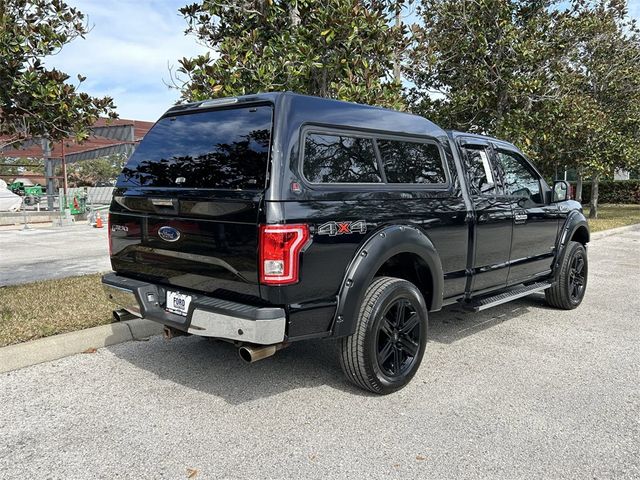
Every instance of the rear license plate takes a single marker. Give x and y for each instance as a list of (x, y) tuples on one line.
[(178, 303)]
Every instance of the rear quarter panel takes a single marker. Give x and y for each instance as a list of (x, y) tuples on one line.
[(439, 213)]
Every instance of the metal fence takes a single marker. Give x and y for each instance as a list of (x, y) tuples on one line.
[(96, 196), (88, 204)]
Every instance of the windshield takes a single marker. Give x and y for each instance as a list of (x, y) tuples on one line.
[(224, 149)]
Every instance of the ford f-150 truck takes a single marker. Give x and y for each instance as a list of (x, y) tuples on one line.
[(274, 218)]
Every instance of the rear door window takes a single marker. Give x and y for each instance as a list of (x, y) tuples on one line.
[(216, 149), (480, 175), (340, 159)]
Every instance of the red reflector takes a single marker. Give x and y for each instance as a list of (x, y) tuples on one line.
[(280, 247)]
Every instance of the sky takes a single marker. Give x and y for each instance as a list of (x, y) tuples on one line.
[(129, 49), (127, 53)]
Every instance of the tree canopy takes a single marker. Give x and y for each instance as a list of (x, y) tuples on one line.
[(484, 66), (36, 101), (342, 49), (559, 80), (601, 84)]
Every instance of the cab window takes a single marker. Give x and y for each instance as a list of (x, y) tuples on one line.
[(518, 177)]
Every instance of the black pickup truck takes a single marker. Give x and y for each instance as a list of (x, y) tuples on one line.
[(267, 219)]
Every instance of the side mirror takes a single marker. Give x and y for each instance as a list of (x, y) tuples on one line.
[(560, 191)]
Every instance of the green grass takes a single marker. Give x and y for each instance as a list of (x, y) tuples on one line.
[(50, 307), (613, 216)]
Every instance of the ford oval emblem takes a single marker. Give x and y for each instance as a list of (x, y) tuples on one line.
[(169, 234)]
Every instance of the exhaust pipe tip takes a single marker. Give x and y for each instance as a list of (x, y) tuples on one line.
[(122, 315), (245, 355), (251, 353)]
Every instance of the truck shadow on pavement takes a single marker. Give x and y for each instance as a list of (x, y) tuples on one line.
[(213, 367), (453, 323)]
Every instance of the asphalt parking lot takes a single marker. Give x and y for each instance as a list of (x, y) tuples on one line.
[(47, 253), (520, 391)]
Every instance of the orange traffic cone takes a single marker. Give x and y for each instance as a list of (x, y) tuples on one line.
[(99, 223)]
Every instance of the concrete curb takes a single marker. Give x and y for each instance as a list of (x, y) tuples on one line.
[(51, 348), (614, 231)]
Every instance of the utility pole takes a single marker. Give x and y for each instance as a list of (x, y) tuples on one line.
[(65, 184), (49, 172)]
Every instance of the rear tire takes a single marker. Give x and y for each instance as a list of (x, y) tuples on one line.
[(567, 293), (386, 350)]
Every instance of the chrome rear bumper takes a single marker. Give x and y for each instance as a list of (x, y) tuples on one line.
[(207, 316), (122, 297)]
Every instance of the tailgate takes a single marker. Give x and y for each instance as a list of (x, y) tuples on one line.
[(202, 254)]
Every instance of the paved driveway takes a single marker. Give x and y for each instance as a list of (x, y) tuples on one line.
[(520, 391), (46, 253)]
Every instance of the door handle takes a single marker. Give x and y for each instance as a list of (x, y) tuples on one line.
[(520, 218), (162, 202)]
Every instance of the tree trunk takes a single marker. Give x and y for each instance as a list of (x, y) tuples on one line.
[(397, 70), (579, 186), (294, 15), (593, 204), (323, 83)]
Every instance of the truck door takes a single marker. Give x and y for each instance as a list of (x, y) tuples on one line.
[(535, 222), (492, 223)]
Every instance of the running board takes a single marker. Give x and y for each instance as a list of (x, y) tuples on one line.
[(487, 302)]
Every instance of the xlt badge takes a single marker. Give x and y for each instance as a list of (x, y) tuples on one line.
[(342, 228)]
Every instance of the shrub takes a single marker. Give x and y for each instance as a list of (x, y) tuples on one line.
[(621, 191)]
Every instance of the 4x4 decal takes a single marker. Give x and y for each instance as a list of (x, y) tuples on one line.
[(342, 228)]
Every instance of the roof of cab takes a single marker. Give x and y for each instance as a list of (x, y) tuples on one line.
[(298, 108)]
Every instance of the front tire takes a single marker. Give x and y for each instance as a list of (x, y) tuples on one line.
[(385, 351), (567, 293)]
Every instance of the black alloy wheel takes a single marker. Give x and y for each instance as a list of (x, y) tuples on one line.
[(570, 282), (390, 337), (577, 280), (398, 338)]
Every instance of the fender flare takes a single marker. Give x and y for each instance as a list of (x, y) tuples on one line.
[(575, 220), (376, 250)]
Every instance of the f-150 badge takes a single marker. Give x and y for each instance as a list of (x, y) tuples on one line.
[(342, 228)]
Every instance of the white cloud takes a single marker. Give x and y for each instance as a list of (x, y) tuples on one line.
[(127, 53)]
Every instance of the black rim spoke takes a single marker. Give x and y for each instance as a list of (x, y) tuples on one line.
[(409, 345), (396, 361), (387, 328), (385, 353), (577, 277), (400, 309), (410, 324), (398, 338)]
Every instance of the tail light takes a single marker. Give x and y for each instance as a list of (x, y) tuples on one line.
[(280, 247)]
